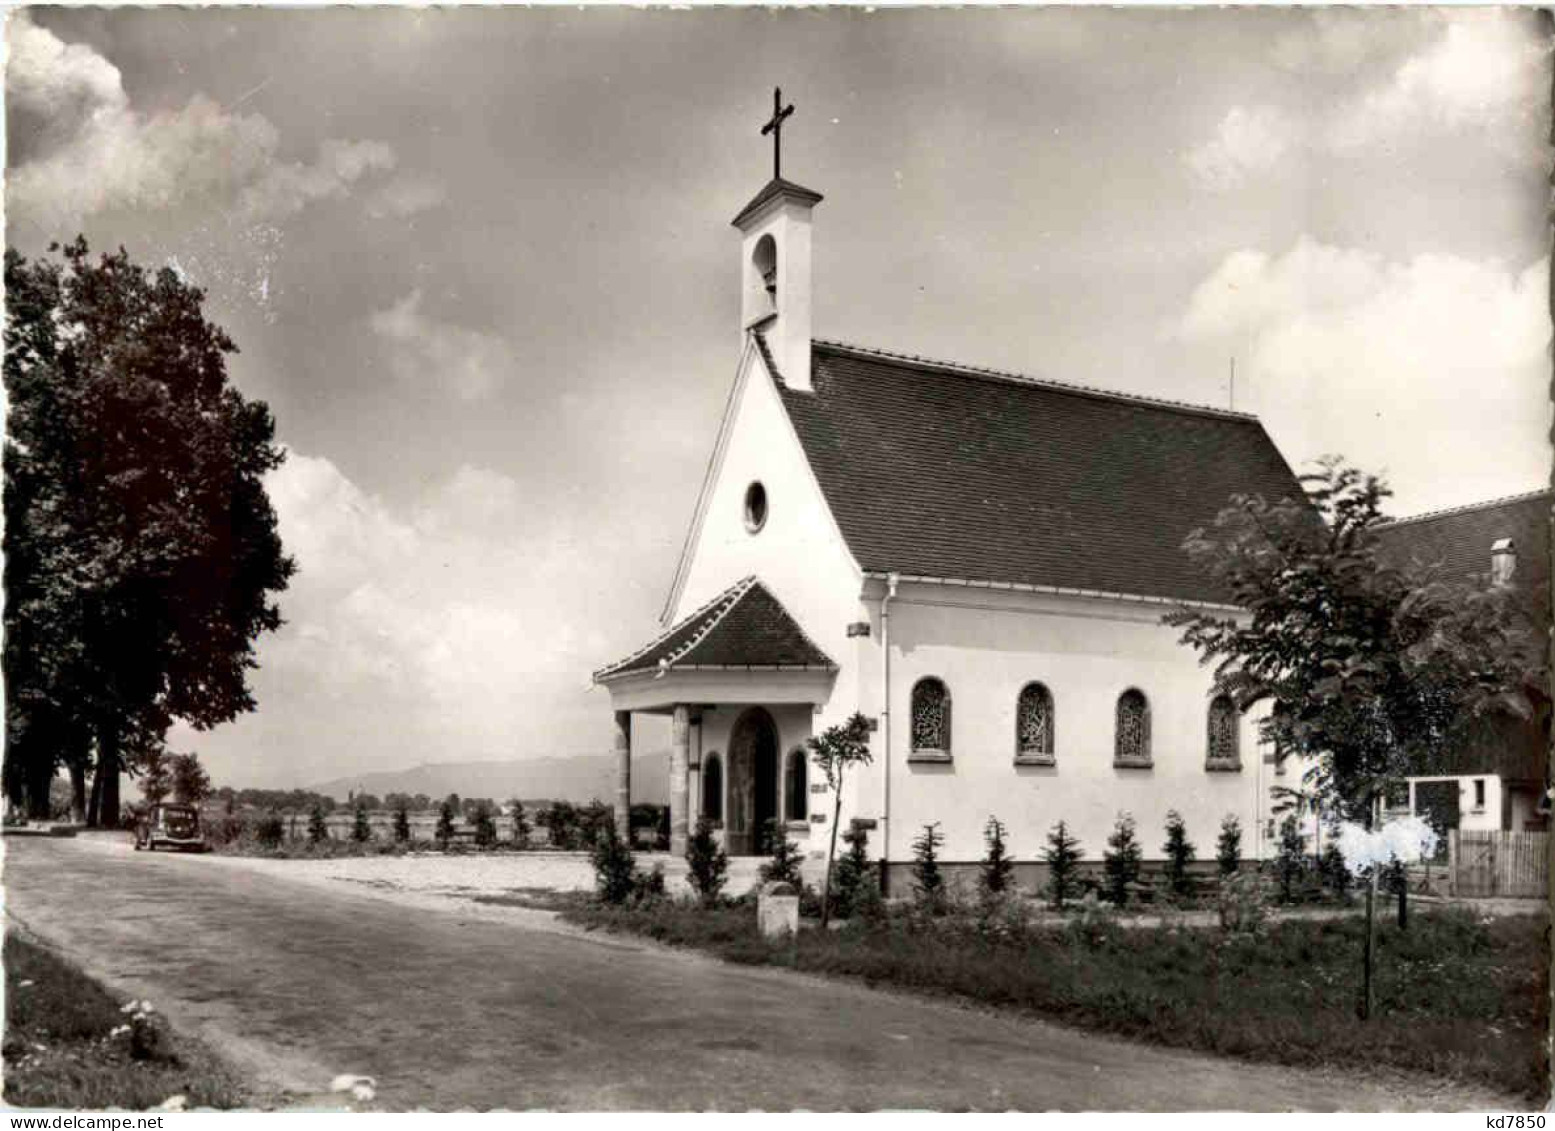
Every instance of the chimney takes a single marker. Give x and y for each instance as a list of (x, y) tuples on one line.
[(1503, 561)]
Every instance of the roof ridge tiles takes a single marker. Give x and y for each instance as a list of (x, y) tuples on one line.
[(732, 598), (734, 591), (1486, 504), (961, 369)]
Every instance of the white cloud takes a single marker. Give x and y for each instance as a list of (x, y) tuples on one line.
[(405, 196), (94, 152), (422, 349), (1486, 71), (1247, 142), (1480, 72), (1433, 369), (442, 629)]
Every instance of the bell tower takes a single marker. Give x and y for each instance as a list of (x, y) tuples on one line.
[(775, 263)]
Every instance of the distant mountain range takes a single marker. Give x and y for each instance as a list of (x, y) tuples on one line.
[(579, 779)]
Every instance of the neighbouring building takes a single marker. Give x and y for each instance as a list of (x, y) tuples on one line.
[(1498, 777), (977, 561)]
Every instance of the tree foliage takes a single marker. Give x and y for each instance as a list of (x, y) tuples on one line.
[(854, 889), (401, 823), (141, 551), (318, 831), (1370, 673), (1291, 862), (833, 751), (997, 871), (1179, 851), (707, 864), (928, 881), (1228, 848), (156, 775), (1123, 859), (485, 825), (614, 866), (1062, 856), (191, 784), (783, 866), (361, 827)]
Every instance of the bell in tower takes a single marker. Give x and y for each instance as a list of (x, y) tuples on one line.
[(775, 254)]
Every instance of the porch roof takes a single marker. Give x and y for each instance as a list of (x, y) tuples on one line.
[(744, 628)]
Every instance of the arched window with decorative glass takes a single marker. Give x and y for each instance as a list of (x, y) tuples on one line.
[(796, 786), (1222, 749), (930, 720), (713, 788), (1132, 744), (1034, 726)]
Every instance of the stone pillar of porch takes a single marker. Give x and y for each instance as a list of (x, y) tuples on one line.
[(624, 775), (680, 761)]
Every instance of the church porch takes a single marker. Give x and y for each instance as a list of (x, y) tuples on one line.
[(740, 682)]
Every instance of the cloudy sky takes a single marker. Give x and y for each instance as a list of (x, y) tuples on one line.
[(479, 264)]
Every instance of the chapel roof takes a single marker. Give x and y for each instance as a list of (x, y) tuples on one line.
[(939, 470), (1456, 543), (745, 627)]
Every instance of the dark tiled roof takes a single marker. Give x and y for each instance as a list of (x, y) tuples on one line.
[(745, 626), (1456, 544), (937, 470)]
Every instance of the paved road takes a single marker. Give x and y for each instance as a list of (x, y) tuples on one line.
[(458, 1008)]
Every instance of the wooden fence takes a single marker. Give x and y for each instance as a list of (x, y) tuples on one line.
[(1494, 863)]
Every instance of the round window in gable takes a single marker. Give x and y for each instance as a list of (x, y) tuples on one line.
[(755, 507)]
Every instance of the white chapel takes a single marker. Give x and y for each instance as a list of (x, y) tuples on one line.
[(978, 562)]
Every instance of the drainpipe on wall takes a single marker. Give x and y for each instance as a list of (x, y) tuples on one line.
[(885, 725)]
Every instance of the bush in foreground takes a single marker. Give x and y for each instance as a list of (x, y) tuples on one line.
[(707, 863), (1063, 866)]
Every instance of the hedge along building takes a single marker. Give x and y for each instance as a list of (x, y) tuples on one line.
[(977, 561)]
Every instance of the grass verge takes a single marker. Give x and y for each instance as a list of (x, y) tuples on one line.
[(1458, 996), (69, 1044)]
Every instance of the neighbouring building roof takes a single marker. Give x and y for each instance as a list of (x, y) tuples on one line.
[(938, 470), (1456, 544), (744, 627)]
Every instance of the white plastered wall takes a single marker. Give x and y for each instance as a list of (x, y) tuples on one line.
[(798, 554)]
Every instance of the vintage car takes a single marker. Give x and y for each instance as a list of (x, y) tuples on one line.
[(172, 826)]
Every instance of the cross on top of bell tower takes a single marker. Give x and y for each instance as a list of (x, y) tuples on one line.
[(774, 127)]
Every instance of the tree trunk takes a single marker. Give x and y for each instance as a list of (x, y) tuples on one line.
[(109, 814), (94, 803), (1403, 898), (1368, 993), (831, 854), (77, 793), (103, 811)]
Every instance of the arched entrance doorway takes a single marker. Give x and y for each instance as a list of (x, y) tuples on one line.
[(753, 783)]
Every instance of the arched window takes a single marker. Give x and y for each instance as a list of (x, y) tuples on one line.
[(796, 786), (1133, 735), (713, 788), (1221, 751), (764, 260), (1034, 724), (930, 718)]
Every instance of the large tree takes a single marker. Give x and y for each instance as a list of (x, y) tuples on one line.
[(1372, 673), (142, 555)]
